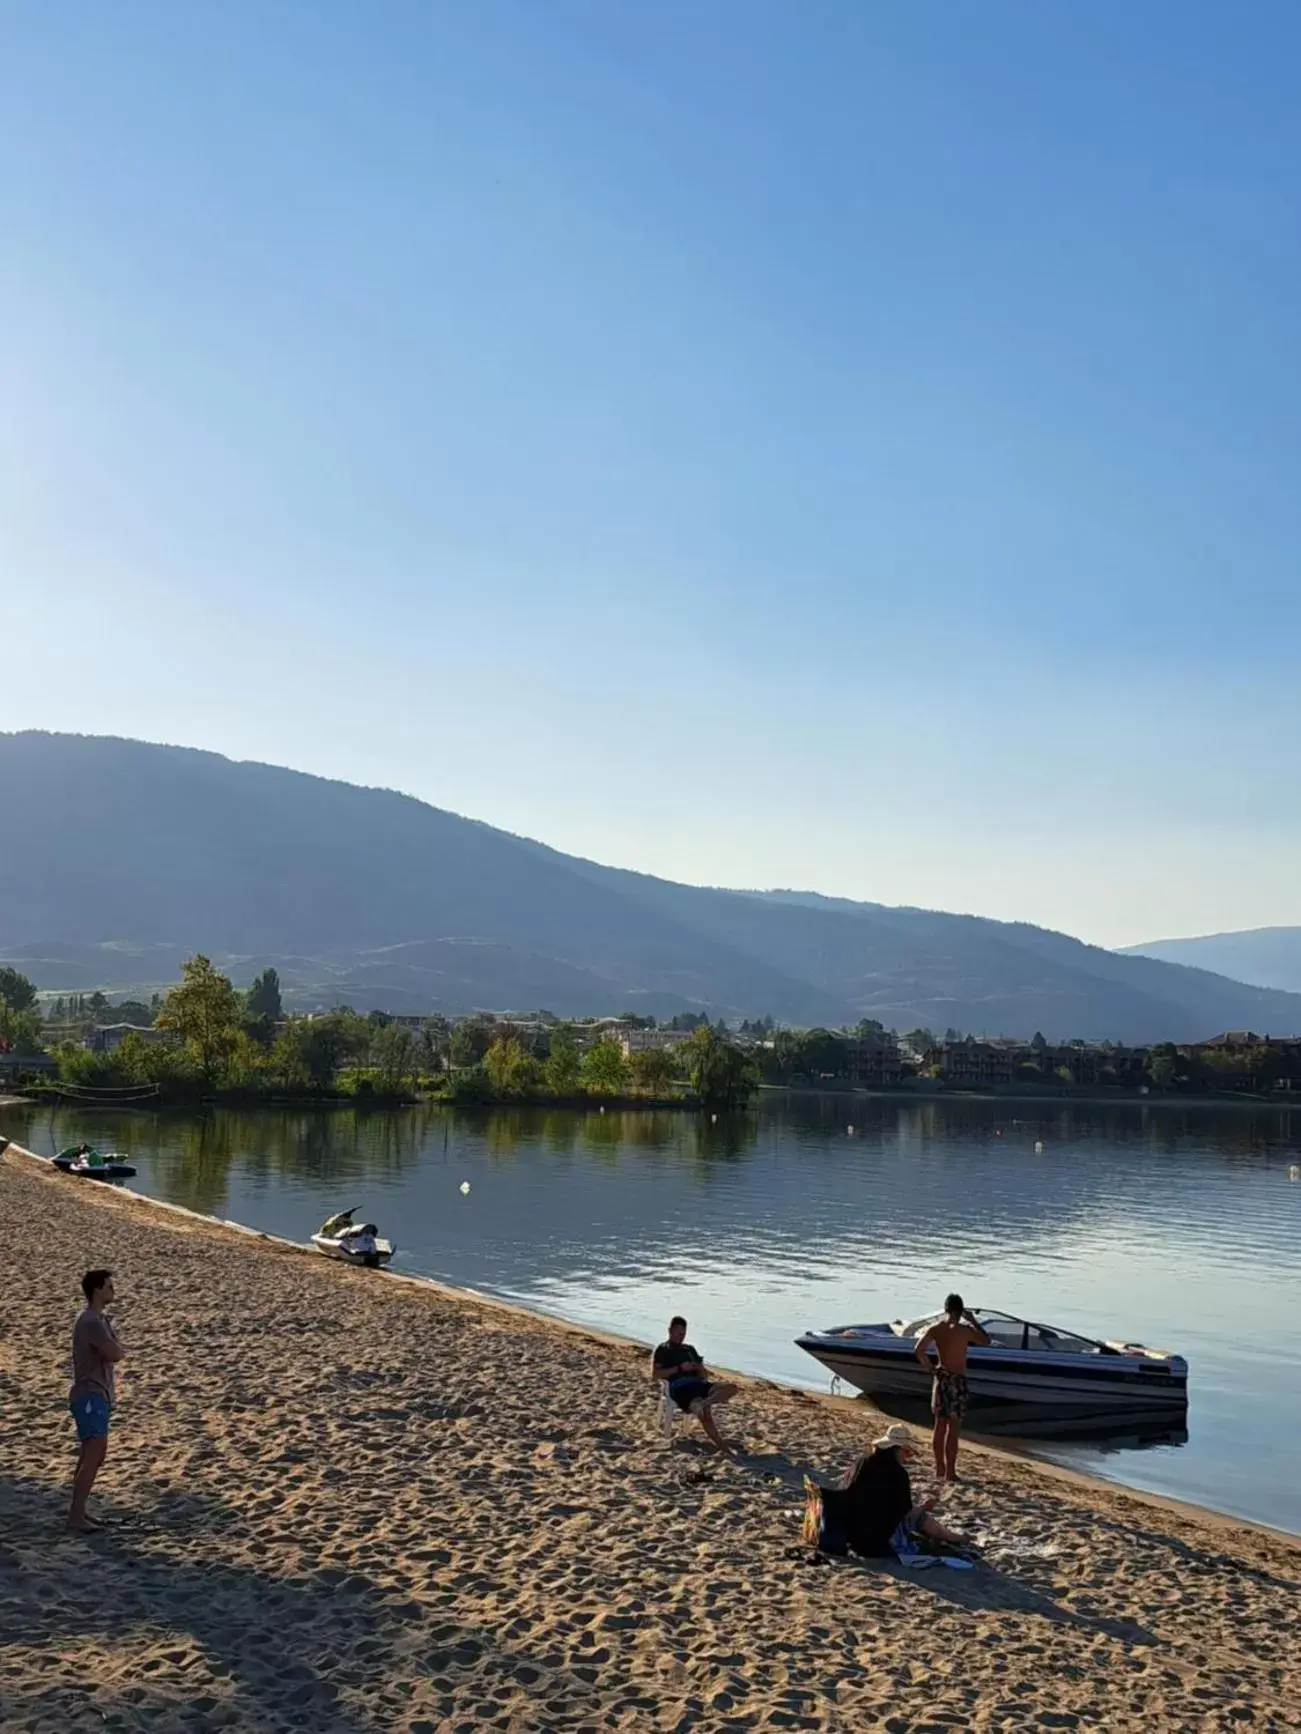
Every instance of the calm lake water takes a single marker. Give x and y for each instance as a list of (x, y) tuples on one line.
[(1178, 1227)]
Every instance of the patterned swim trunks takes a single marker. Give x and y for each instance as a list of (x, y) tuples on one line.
[(949, 1396)]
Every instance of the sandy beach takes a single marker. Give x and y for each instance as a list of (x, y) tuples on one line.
[(344, 1502)]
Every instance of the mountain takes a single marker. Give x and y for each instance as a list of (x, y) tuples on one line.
[(1263, 956), (122, 857)]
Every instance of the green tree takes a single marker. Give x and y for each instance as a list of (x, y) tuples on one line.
[(652, 1071), (131, 1011), (206, 1014), (310, 1051), (16, 991), (604, 1070), (436, 1043), (721, 1074), (263, 997), (395, 1055), (20, 1031), (865, 1028), (511, 1069), (471, 1039), (564, 1062)]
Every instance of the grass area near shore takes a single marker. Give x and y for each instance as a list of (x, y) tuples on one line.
[(348, 1501)]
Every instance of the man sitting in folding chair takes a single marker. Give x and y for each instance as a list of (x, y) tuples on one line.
[(681, 1368)]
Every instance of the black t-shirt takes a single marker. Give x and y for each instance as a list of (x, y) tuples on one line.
[(670, 1358)]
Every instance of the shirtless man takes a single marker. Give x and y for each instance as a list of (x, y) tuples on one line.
[(952, 1338), (95, 1354)]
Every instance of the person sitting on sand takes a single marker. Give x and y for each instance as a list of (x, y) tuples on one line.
[(678, 1364), (949, 1395), (874, 1506), (95, 1354)]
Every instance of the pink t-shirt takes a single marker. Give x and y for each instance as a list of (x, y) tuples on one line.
[(92, 1374)]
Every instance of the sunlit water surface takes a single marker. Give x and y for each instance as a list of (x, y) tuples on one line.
[(1179, 1227)]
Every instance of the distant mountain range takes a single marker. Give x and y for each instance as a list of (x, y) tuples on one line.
[(1264, 956), (121, 858)]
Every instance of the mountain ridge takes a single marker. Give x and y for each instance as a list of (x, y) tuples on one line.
[(130, 854)]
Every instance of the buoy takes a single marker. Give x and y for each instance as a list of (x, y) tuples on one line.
[(603, 1107), (849, 1131), (713, 1119), (1294, 1172), (465, 1187), (1038, 1147)]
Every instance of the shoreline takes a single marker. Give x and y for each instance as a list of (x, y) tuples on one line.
[(354, 1504), (1035, 1098), (860, 1407)]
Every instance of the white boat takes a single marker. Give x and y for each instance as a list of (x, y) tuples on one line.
[(339, 1237), (1025, 1363)]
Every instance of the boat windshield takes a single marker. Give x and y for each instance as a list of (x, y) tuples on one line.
[(1007, 1332)]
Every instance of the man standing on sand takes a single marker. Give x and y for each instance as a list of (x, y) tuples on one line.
[(95, 1354), (952, 1338), (678, 1364)]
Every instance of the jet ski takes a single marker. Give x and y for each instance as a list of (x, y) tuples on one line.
[(339, 1237), (89, 1164)]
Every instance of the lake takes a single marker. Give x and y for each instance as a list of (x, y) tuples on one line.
[(1175, 1226)]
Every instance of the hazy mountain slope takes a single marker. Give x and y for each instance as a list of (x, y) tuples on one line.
[(373, 897), (1265, 956), (169, 846)]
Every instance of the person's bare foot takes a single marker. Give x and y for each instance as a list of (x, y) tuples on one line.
[(82, 1526)]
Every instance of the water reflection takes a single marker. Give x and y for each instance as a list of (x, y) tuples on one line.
[(1172, 1225), (1119, 1430)]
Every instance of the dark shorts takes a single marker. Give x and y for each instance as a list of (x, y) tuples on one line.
[(91, 1416), (949, 1396), (685, 1392)]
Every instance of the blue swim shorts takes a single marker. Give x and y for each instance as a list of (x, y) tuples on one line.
[(91, 1415)]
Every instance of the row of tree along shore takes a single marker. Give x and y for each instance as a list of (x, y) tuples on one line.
[(204, 1038)]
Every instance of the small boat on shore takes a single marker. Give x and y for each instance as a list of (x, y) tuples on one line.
[(90, 1164), (339, 1237), (1025, 1363)]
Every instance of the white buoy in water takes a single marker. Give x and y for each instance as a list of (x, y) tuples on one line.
[(603, 1107), (1294, 1172), (849, 1131), (465, 1188), (1038, 1147), (713, 1119)]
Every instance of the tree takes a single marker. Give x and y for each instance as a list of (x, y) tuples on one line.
[(604, 1069), (132, 1011), (564, 1062), (721, 1074), (865, 1028), (511, 1069), (394, 1053), (206, 1013), (652, 1070), (1037, 1041), (20, 1031), (311, 1050), (436, 1042), (471, 1040), (16, 991), (263, 997)]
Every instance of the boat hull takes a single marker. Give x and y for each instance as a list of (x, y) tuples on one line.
[(367, 1260), (1119, 1382)]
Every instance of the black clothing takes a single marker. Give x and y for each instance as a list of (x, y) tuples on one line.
[(874, 1501)]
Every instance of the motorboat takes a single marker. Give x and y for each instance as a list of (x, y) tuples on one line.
[(355, 1243), (90, 1164), (1024, 1363)]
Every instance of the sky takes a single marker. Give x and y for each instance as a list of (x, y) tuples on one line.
[(852, 446)]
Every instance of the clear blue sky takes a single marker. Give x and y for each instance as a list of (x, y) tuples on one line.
[(851, 446)]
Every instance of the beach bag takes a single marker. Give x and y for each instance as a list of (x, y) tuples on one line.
[(822, 1529)]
